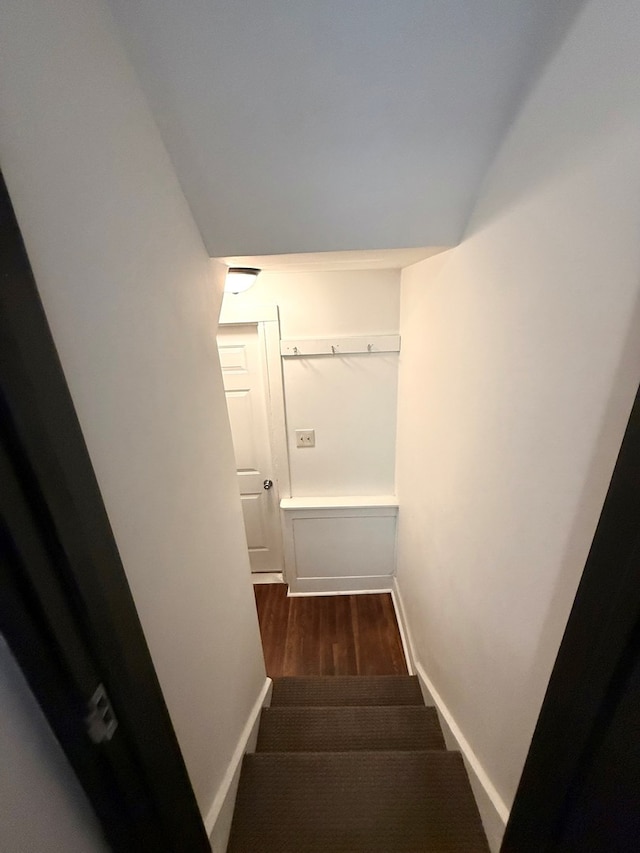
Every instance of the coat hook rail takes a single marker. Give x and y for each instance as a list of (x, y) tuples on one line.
[(370, 344)]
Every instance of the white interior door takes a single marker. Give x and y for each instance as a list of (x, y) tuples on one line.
[(243, 360)]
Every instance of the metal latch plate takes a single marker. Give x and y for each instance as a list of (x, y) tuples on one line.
[(101, 721)]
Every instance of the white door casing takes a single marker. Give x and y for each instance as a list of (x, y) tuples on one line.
[(244, 369)]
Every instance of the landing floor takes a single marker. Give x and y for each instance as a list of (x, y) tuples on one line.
[(328, 635)]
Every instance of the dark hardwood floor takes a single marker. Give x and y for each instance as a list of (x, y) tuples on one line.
[(328, 635)]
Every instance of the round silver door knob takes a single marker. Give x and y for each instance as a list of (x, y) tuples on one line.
[(268, 484)]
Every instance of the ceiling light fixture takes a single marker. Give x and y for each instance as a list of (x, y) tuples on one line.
[(240, 279)]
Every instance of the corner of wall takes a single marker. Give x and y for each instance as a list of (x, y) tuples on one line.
[(218, 274)]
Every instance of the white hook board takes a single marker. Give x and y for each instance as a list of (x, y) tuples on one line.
[(339, 346)]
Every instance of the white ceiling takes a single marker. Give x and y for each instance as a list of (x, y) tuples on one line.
[(324, 125)]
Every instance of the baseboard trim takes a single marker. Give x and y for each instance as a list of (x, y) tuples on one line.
[(493, 810), (401, 619), (267, 577), (218, 820), (341, 586)]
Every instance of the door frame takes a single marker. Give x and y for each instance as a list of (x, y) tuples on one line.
[(47, 451), (267, 319)]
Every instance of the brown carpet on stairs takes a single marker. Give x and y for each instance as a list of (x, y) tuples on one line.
[(395, 727), (353, 765), (356, 802), (347, 690)]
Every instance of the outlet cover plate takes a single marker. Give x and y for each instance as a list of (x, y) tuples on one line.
[(305, 438)]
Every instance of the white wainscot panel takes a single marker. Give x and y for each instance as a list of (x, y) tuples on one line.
[(343, 547), (340, 549)]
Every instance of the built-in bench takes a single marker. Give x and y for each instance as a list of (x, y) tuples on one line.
[(339, 543)]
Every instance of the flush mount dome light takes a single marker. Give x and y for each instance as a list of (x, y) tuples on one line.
[(240, 279)]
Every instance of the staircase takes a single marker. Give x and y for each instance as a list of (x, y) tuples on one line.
[(353, 764)]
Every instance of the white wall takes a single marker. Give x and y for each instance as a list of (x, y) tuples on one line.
[(42, 806), (129, 294), (520, 361), (350, 401)]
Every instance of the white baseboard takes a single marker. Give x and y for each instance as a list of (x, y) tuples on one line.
[(340, 586), (492, 808), (218, 820), (401, 619), (267, 577)]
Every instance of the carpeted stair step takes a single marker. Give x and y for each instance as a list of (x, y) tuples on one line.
[(355, 802), (335, 729), (347, 690)]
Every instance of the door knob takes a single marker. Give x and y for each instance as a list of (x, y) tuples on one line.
[(268, 484)]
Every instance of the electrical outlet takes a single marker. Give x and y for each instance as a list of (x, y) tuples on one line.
[(305, 438)]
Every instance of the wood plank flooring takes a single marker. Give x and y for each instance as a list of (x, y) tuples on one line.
[(328, 635)]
